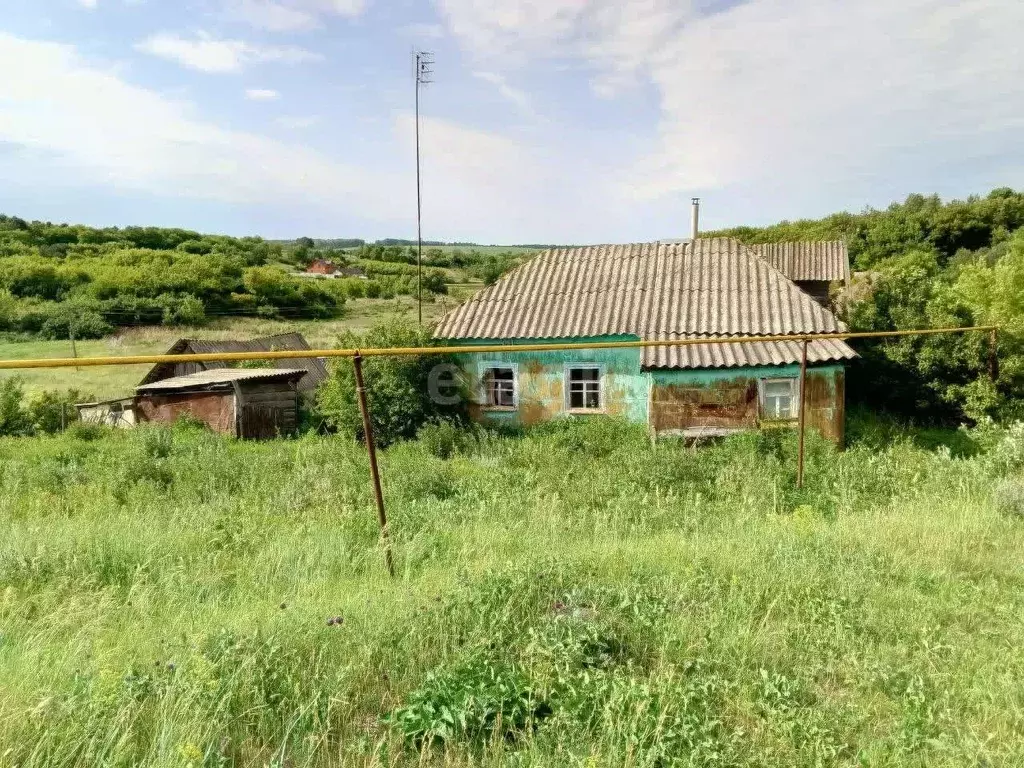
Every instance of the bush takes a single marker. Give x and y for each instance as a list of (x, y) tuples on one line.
[(1009, 497), (14, 418), (53, 411), (469, 702), (399, 388), (185, 310), (445, 439), (83, 321)]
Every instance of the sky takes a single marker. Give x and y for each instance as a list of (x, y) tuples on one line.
[(548, 121)]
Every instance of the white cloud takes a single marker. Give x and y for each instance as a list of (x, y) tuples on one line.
[(508, 92), (208, 54), (781, 97), (90, 4), (291, 15), (481, 185), (95, 128), (298, 123), (423, 31), (261, 94)]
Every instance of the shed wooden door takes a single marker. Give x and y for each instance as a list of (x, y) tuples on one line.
[(262, 422)]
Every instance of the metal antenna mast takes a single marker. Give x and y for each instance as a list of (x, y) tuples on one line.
[(424, 76)]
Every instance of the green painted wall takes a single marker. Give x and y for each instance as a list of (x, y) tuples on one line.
[(626, 389), (541, 379)]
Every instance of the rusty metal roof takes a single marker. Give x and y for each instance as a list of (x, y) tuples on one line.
[(707, 287), (825, 260), (216, 376)]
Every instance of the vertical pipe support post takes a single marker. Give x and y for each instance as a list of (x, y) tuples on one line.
[(803, 417), (993, 355), (371, 449)]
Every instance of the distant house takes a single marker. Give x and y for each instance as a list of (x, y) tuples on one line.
[(314, 370), (249, 403), (815, 267), (705, 287), (327, 268), (322, 267)]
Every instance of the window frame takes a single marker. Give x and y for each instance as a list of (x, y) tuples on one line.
[(567, 385), (488, 365), (794, 384)]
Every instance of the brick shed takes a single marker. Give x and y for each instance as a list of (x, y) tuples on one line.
[(257, 403), (314, 370)]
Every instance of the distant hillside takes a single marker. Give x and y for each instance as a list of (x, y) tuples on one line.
[(919, 222)]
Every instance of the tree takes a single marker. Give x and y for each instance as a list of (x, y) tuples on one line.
[(14, 418), (402, 392)]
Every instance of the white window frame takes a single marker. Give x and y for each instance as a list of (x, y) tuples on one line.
[(484, 398), (794, 383), (567, 383)]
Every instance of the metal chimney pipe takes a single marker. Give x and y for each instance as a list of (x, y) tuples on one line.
[(694, 222)]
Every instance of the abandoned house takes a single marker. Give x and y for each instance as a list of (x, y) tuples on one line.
[(652, 291), (315, 372), (119, 412), (817, 268), (256, 403)]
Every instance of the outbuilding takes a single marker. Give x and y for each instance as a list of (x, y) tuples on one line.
[(314, 369), (257, 403), (705, 287)]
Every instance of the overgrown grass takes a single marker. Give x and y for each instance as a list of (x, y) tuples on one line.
[(574, 596)]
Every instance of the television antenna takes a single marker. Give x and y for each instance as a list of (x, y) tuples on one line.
[(424, 75)]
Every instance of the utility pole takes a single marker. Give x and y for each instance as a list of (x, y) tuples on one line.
[(74, 349), (424, 76)]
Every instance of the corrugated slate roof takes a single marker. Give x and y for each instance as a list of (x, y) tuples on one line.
[(316, 371), (707, 287), (825, 260), (223, 376), (743, 354)]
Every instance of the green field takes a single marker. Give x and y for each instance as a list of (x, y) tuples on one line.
[(573, 597), (117, 381)]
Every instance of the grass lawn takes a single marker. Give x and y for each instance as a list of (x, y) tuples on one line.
[(573, 597), (115, 381)]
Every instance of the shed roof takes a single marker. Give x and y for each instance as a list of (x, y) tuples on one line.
[(705, 287), (826, 260), (223, 376), (315, 370)]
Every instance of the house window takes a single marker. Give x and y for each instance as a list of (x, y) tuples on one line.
[(584, 387), (499, 383), (779, 398)]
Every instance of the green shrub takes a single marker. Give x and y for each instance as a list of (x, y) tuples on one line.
[(471, 701), (53, 410), (67, 319), (398, 388), (14, 417), (87, 432), (1009, 497), (186, 310), (444, 439)]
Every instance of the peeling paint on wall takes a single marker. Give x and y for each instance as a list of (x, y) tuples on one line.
[(670, 400), (541, 381), (728, 398)]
